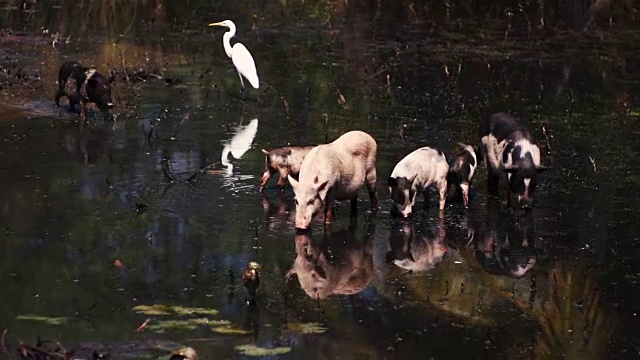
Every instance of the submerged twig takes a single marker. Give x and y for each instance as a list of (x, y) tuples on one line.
[(179, 126), (546, 135), (167, 171), (593, 163), (204, 169), (2, 343), (143, 325)]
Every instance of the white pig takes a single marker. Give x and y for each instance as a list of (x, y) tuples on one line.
[(417, 172), (335, 171)]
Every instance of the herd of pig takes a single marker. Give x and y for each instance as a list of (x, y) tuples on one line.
[(336, 171)]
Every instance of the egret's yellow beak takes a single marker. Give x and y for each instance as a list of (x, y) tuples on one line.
[(216, 24)]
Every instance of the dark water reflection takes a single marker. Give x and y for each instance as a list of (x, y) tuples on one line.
[(486, 282)]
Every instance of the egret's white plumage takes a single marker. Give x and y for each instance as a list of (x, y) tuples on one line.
[(240, 56), (239, 144)]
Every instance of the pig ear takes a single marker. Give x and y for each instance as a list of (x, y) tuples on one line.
[(413, 178), (541, 168), (289, 273), (392, 182), (293, 182), (321, 187)]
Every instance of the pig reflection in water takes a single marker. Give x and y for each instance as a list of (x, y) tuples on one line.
[(338, 264), (416, 251), (505, 248), (88, 142)]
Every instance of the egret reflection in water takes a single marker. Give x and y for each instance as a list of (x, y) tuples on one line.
[(239, 144)]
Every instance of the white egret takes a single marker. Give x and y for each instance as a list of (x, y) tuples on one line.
[(239, 144), (241, 57)]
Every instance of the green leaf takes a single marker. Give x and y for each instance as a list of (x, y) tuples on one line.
[(163, 310), (184, 325), (252, 350), (306, 328), (230, 330), (44, 319)]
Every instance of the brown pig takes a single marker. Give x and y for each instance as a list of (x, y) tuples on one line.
[(335, 171), (284, 160)]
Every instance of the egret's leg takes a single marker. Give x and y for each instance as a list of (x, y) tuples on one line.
[(241, 85)]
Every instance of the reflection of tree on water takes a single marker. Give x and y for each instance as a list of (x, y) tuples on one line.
[(338, 264), (416, 251)]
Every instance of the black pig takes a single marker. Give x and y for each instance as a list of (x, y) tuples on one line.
[(82, 85)]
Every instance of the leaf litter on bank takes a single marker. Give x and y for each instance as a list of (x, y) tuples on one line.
[(253, 350), (45, 319), (306, 328), (163, 310)]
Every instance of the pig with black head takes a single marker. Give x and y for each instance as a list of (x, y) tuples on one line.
[(285, 160), (82, 85), (510, 153), (462, 170), (417, 172), (335, 171)]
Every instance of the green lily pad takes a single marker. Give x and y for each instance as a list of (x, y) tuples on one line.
[(163, 310), (306, 328), (45, 319), (230, 330), (252, 350), (184, 325)]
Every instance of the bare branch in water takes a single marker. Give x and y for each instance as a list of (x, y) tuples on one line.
[(179, 126), (203, 170), (2, 343), (167, 171)]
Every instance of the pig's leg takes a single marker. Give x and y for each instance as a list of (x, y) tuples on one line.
[(371, 187), (265, 178), (354, 206), (442, 191), (492, 182), (328, 214), (425, 195), (284, 174)]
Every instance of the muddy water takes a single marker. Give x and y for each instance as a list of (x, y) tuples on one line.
[(91, 225)]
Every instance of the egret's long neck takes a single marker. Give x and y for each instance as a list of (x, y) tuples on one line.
[(226, 40)]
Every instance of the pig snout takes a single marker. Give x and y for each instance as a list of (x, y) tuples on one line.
[(302, 223), (406, 212)]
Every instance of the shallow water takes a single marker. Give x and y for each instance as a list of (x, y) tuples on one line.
[(75, 198)]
